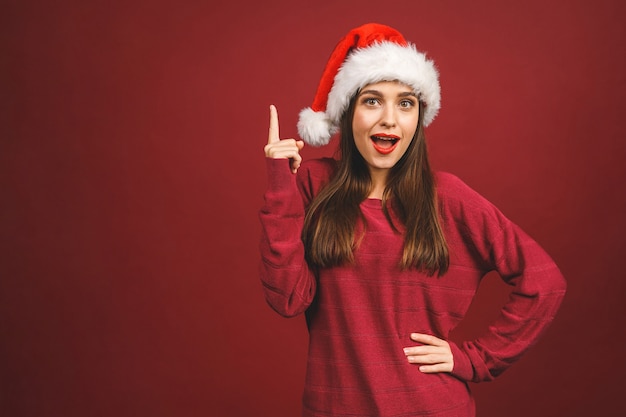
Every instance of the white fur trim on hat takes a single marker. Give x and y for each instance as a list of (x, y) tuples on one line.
[(385, 61), (381, 61)]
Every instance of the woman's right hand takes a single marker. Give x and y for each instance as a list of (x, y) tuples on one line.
[(285, 148)]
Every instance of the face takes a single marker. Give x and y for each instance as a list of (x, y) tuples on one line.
[(384, 123)]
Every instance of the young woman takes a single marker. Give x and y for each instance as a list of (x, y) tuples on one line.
[(384, 256)]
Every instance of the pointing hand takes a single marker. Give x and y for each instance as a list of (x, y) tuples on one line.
[(285, 148)]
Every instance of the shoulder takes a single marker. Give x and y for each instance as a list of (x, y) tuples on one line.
[(459, 200), (314, 174), (321, 168), (452, 189)]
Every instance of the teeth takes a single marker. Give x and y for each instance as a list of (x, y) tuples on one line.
[(384, 138)]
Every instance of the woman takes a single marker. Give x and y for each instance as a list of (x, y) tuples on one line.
[(383, 256)]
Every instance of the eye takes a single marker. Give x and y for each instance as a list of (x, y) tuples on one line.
[(370, 101), (407, 104)]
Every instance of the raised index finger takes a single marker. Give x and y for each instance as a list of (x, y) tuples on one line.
[(274, 134)]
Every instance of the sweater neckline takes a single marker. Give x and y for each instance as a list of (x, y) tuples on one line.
[(375, 203)]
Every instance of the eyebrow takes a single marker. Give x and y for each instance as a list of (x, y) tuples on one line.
[(378, 93)]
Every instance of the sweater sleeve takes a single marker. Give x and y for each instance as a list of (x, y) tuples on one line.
[(288, 283), (537, 284)]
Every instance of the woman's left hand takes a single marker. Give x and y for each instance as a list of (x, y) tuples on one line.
[(434, 355)]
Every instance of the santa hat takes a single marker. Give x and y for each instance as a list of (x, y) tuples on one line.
[(368, 54)]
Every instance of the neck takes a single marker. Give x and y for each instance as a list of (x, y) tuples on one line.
[(379, 181)]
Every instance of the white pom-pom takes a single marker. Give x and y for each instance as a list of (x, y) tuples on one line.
[(314, 127)]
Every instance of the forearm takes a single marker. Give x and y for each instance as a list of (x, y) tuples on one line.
[(288, 283)]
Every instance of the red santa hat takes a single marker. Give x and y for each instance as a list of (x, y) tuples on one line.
[(368, 54)]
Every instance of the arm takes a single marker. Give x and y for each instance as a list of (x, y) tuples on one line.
[(288, 283), (538, 286), (489, 241), (538, 289)]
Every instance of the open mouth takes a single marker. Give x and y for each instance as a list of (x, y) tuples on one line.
[(385, 144)]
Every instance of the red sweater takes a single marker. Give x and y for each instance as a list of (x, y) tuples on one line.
[(360, 316)]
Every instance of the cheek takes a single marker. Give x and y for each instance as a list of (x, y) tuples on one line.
[(358, 123), (406, 146), (409, 128), (360, 133), (409, 124)]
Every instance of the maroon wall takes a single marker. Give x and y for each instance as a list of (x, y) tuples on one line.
[(131, 172)]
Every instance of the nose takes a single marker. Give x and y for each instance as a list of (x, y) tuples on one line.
[(388, 117)]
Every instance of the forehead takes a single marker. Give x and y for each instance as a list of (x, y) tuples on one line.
[(389, 87)]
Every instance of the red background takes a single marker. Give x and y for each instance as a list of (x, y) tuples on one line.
[(131, 172)]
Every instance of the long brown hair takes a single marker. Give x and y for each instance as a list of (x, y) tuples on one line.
[(329, 225)]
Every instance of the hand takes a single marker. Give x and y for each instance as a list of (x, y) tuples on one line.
[(282, 149), (434, 355)]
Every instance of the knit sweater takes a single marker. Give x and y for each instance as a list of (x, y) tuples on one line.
[(360, 316)]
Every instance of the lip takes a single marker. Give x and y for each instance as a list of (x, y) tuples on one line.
[(381, 150)]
